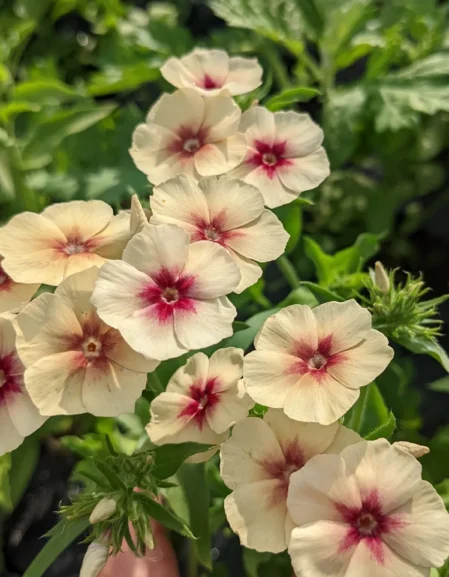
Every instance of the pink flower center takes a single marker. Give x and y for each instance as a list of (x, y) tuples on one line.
[(94, 343), (282, 469), (189, 141), (269, 157), (168, 291), (75, 245), (74, 248), (209, 83), (204, 399), (367, 523), (92, 347), (5, 280), (191, 144), (11, 377), (213, 230), (315, 361)]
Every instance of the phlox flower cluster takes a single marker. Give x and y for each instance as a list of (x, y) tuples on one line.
[(147, 285)]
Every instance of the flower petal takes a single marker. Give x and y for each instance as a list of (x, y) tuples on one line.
[(213, 269), (194, 371), (291, 328), (220, 156), (55, 383), (79, 218), (304, 173), (300, 134), (233, 406), (111, 390), (257, 518), (243, 455), (76, 290), (262, 240), (319, 400), (347, 322), (184, 107), (227, 366), (360, 365), (258, 124), (10, 438), (221, 117), (24, 414), (210, 322), (15, 295), (250, 271), (245, 75), (111, 241), (127, 358)]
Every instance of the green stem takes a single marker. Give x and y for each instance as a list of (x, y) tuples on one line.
[(312, 67), (288, 270), (359, 410), (192, 563)]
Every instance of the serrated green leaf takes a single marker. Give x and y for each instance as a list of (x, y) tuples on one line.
[(196, 490), (62, 535), (290, 96), (369, 413), (161, 514), (109, 474), (168, 458), (425, 346), (322, 294), (385, 430)]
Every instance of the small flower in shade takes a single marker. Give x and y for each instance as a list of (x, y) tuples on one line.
[(18, 416), (256, 463), (187, 133), (366, 512), (224, 211), (64, 239), (210, 71), (95, 559), (139, 215), (75, 363), (14, 295), (204, 398), (312, 363), (168, 297), (284, 156)]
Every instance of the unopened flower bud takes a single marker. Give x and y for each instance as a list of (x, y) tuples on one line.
[(103, 510), (413, 449), (95, 559), (139, 217), (148, 539), (381, 278)]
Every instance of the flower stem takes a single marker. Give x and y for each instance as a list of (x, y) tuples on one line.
[(288, 270)]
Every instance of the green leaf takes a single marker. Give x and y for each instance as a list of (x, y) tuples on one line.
[(11, 109), (441, 385), (7, 185), (322, 294), (434, 66), (244, 339), (50, 132), (5, 488), (62, 535), (161, 514), (291, 96), (109, 474), (168, 458), (120, 79), (196, 490), (291, 217), (385, 430), (279, 20), (239, 326), (369, 413), (46, 92), (343, 123), (23, 462), (425, 346)]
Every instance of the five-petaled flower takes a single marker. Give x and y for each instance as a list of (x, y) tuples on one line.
[(257, 461), (203, 399), (210, 71), (312, 363), (185, 132), (224, 211), (75, 363), (62, 240), (14, 295), (366, 512), (18, 416), (284, 156), (167, 297)]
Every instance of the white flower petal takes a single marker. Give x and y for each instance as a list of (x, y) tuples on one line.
[(184, 107), (258, 124), (304, 173), (250, 271), (194, 371), (348, 323), (245, 75), (233, 406), (126, 357), (79, 218), (360, 365), (111, 241), (214, 270), (14, 295), (301, 135), (23, 414), (10, 438), (221, 117), (220, 156), (257, 517), (227, 365)]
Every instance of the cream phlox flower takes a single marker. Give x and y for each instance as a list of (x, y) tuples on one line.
[(210, 71), (366, 512), (256, 463), (284, 156), (75, 363), (64, 239), (312, 362), (14, 295), (18, 416), (187, 133), (168, 297), (224, 211), (203, 399)]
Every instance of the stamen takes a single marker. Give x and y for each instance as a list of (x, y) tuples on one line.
[(191, 145), (317, 361), (74, 248), (269, 158), (211, 234), (170, 295), (91, 348)]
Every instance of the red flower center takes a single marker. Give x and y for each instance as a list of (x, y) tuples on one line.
[(315, 361), (5, 280), (204, 398), (189, 141), (269, 156), (75, 245), (11, 376), (367, 523), (169, 291), (282, 469), (209, 83), (213, 230), (94, 343)]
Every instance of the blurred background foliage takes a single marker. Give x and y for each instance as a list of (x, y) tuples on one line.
[(76, 77)]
